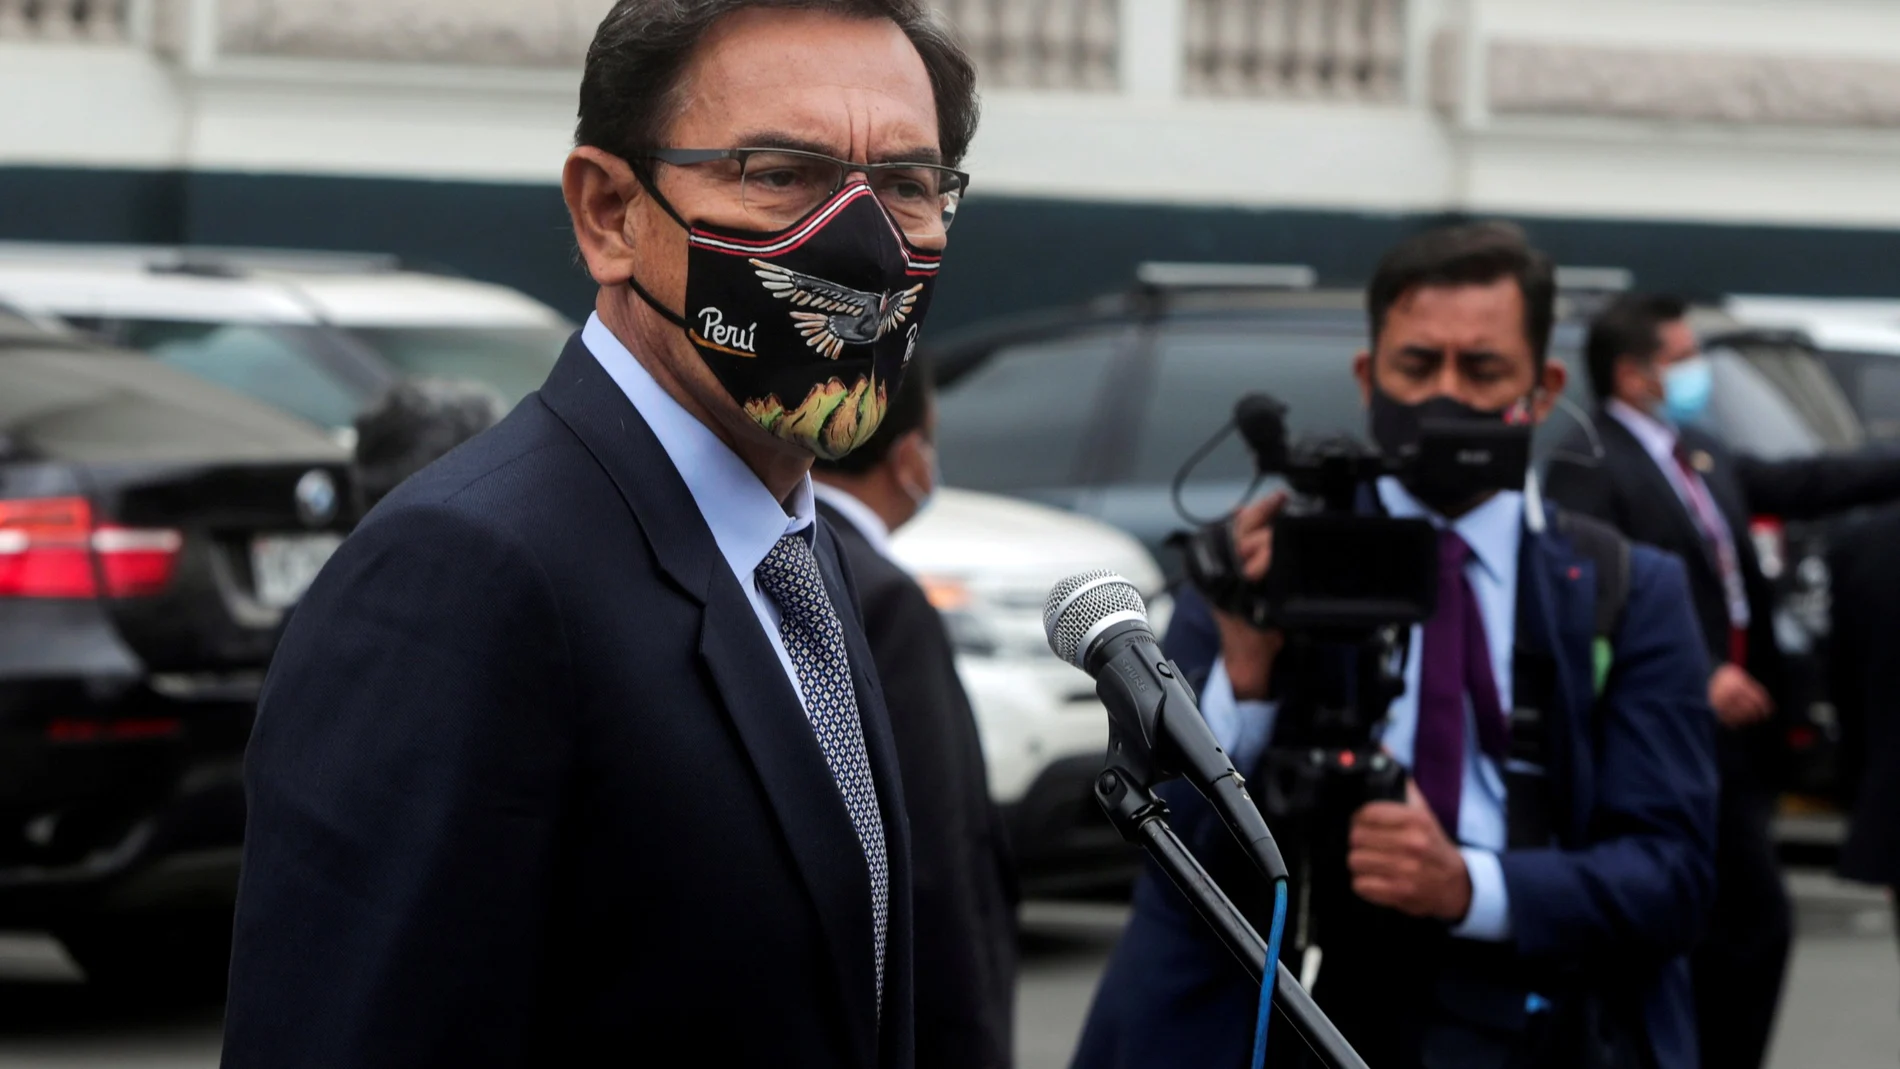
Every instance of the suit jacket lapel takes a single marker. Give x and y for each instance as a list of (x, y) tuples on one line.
[(1688, 530), (764, 709), (1556, 599)]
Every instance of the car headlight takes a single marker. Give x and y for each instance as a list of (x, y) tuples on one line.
[(1004, 619), (988, 621)]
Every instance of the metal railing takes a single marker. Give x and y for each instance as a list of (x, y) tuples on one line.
[(1296, 49), (67, 20), (1043, 44)]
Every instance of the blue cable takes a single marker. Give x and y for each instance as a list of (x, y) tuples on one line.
[(1272, 974)]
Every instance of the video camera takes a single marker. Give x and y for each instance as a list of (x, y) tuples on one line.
[(1340, 566), (1346, 584)]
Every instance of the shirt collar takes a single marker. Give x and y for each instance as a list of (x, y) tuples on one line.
[(858, 514), (1493, 530), (746, 521), (1658, 438)]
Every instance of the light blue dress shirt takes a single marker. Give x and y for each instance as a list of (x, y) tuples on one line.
[(1659, 439), (1494, 531), (745, 519)]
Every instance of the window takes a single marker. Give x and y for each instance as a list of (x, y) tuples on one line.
[(1877, 388), (1201, 370), (262, 362), (513, 360), (1018, 420), (1751, 415)]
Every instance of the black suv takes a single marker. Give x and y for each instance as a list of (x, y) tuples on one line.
[(153, 531), (1095, 409)]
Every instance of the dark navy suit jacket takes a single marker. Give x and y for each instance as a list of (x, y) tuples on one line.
[(1626, 888), (529, 786)]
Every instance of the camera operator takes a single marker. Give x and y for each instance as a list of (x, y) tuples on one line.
[(1471, 941)]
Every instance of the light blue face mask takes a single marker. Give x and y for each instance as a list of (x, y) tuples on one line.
[(923, 498), (1687, 385)]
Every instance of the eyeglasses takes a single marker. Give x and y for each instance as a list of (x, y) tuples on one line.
[(784, 185)]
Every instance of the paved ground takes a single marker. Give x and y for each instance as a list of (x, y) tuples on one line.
[(1842, 1009)]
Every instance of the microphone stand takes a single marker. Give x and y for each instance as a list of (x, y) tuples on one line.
[(1141, 818)]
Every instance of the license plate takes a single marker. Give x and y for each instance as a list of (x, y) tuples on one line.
[(284, 566)]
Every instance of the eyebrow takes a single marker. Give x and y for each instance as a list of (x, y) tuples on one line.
[(1426, 352), (768, 139)]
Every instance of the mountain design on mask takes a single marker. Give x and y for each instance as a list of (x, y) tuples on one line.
[(843, 316), (831, 421)]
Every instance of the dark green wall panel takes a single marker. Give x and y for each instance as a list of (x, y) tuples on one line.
[(1009, 253)]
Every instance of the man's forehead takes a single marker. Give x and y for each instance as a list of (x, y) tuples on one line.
[(1488, 314), (802, 79)]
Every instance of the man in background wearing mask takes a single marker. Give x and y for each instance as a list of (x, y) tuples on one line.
[(574, 754), (1464, 944), (962, 882), (1661, 480)]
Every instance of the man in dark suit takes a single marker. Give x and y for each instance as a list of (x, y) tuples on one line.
[(1510, 911), (1864, 681), (575, 752), (1662, 481), (962, 884)]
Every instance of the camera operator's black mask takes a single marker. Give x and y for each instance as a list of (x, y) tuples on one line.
[(1398, 428), (810, 329)]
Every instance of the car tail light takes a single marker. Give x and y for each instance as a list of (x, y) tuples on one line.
[(1771, 546), (50, 548)]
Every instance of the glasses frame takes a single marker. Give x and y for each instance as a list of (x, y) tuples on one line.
[(688, 157)]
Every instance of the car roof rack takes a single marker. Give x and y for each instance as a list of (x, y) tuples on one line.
[(210, 261), (1157, 276), (1581, 279)]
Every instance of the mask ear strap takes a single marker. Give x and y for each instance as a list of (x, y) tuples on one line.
[(680, 321), (641, 176), (653, 302)]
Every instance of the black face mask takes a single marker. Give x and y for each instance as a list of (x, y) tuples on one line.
[(1440, 482), (809, 329)]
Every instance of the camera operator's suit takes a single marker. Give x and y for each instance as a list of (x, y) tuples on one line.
[(1613, 904)]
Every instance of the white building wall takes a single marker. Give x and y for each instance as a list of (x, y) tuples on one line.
[(1804, 95)]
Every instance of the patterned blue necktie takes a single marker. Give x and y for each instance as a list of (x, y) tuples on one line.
[(814, 638)]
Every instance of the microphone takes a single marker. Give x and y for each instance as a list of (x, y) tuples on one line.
[(1097, 622)]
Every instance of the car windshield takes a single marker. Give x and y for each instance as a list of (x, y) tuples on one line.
[(1768, 402), (280, 366), (1201, 369), (513, 360)]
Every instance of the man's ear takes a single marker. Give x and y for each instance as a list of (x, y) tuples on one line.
[(1626, 379), (601, 191), (1549, 388), (1362, 374)]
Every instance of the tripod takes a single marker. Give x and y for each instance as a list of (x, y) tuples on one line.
[(1142, 819)]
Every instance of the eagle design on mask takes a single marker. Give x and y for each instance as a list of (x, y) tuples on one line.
[(841, 315)]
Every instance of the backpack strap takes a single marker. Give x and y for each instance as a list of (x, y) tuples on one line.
[(1609, 551)]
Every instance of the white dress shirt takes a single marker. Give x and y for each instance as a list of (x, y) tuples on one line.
[(859, 515), (1494, 531), (1659, 439), (745, 519)]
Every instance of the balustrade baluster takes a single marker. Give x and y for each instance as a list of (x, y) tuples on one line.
[(1102, 42), (1345, 50), (1307, 46), (12, 19), (1385, 36)]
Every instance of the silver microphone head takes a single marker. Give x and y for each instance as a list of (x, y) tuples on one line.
[(1082, 606)]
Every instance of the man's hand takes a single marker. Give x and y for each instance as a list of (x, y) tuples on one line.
[(1248, 651), (1400, 858), (1737, 698)]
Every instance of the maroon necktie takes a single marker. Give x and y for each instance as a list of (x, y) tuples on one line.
[(1457, 664), (1708, 519)]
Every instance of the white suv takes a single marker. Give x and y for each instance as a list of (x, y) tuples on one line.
[(318, 335), (987, 563)]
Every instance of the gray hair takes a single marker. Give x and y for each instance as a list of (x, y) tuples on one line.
[(415, 423), (630, 90)]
